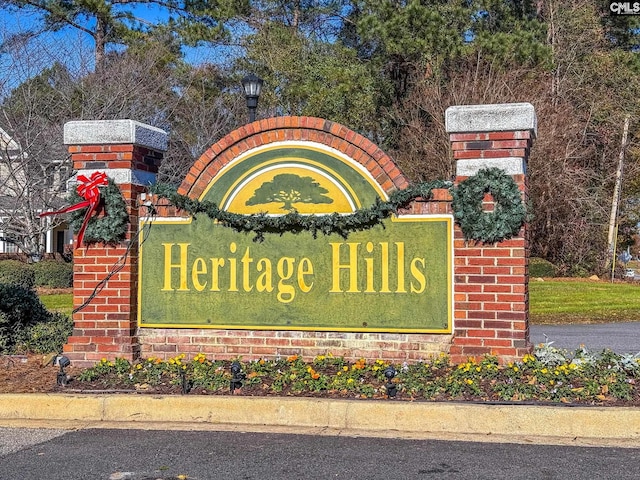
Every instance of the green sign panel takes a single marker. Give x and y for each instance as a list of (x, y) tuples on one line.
[(394, 279), (195, 273)]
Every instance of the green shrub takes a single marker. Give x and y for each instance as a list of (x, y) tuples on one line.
[(52, 274), (4, 339), (578, 271), (20, 308), (45, 337), (17, 273), (539, 267)]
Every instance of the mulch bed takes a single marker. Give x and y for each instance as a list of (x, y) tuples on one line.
[(31, 374)]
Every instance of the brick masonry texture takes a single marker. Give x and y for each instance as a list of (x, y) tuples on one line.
[(490, 281)]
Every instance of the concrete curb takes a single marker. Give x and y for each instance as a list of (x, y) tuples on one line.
[(596, 425)]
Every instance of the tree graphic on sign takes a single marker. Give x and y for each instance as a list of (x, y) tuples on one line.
[(288, 189)]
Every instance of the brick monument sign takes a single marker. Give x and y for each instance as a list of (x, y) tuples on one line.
[(409, 287)]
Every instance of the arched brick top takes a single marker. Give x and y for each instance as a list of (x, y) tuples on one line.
[(279, 129)]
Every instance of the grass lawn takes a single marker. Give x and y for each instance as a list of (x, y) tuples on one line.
[(583, 301), (552, 301), (58, 302)]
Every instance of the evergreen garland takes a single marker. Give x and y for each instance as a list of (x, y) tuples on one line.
[(110, 227), (503, 222), (509, 212), (293, 222)]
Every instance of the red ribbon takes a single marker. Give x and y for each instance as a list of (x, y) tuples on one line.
[(88, 189)]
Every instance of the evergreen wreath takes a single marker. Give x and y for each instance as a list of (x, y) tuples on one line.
[(504, 221), (109, 224)]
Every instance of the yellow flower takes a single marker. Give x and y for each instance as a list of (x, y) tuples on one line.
[(345, 368), (528, 358), (350, 380)]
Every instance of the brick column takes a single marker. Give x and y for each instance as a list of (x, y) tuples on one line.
[(491, 280), (130, 153)]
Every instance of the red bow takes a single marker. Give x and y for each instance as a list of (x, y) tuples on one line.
[(88, 189)]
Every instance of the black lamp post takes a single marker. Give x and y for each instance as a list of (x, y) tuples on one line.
[(252, 85)]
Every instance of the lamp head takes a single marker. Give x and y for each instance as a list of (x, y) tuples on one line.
[(62, 361), (252, 85), (389, 372), (236, 368)]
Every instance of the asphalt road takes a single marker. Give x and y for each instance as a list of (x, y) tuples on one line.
[(618, 337), (169, 455)]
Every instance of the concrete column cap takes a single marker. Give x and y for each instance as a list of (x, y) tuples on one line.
[(491, 118), (110, 132)]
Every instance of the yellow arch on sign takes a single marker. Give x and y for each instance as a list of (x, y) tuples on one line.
[(345, 199)]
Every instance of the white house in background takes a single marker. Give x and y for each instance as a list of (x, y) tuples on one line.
[(58, 237)]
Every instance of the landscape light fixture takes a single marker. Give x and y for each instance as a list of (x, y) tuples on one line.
[(391, 387), (237, 376), (62, 362), (252, 85), (185, 382)]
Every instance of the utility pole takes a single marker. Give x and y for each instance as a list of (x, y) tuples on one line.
[(617, 191)]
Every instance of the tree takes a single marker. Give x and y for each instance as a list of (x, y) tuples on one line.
[(622, 31), (294, 47), (33, 163), (207, 106), (121, 22), (149, 82), (287, 188)]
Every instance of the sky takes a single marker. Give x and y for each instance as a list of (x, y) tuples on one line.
[(72, 47)]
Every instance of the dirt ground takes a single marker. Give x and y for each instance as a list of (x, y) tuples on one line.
[(27, 374)]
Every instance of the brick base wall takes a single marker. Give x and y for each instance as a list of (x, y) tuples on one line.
[(254, 344)]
